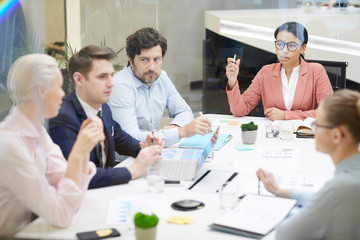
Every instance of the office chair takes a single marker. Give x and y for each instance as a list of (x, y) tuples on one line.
[(336, 72)]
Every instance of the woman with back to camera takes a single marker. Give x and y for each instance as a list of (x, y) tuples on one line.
[(333, 212), (290, 89), (34, 176)]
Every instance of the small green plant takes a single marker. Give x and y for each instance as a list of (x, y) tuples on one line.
[(249, 126), (145, 221)]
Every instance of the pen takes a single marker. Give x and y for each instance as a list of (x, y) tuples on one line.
[(152, 138), (259, 187), (233, 61)]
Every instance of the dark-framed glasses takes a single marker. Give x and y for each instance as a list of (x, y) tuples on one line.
[(292, 46), (315, 125)]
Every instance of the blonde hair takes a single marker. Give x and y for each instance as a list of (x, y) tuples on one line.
[(27, 74), (343, 108)]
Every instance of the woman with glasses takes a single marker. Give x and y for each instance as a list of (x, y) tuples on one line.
[(333, 212), (35, 178), (290, 89)]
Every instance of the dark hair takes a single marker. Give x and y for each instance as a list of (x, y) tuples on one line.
[(82, 61), (295, 28), (144, 38), (343, 108)]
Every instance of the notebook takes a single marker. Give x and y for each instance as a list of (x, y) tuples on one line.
[(201, 141), (183, 164), (255, 216)]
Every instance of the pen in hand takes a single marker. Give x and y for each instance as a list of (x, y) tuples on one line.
[(152, 138), (233, 61), (259, 187)]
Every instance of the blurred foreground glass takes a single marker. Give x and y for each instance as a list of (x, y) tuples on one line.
[(228, 195), (155, 179), (286, 129)]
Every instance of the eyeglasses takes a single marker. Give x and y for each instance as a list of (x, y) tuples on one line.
[(314, 126), (292, 46)]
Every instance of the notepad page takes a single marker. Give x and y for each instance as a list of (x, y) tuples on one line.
[(257, 213)]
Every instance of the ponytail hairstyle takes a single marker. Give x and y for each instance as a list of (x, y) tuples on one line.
[(297, 29), (27, 74), (343, 108)]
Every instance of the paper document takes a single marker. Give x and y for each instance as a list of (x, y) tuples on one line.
[(279, 159), (255, 215), (122, 209), (290, 182)]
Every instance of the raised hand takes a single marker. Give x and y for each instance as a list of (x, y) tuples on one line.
[(232, 70)]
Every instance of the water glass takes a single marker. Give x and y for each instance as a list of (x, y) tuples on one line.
[(155, 179), (228, 196), (271, 131), (286, 129)]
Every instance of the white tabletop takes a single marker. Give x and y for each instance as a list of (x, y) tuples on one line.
[(94, 210)]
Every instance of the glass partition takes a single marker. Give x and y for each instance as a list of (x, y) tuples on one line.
[(200, 34)]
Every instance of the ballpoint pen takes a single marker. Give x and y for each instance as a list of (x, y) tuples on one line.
[(233, 61), (259, 187), (152, 138)]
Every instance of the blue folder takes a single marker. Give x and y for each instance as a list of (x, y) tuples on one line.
[(201, 141)]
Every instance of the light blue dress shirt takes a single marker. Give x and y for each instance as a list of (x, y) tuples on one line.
[(139, 109), (333, 212)]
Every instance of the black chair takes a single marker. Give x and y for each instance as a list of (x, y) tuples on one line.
[(336, 72)]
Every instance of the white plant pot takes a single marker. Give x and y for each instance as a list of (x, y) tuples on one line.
[(249, 137), (145, 234)]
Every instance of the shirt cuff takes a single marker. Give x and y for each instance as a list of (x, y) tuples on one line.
[(86, 178), (123, 175), (170, 136)]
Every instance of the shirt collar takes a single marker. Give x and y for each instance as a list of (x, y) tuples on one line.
[(138, 82), (349, 164), (89, 110)]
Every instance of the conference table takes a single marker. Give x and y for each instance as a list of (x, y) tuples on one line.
[(99, 204)]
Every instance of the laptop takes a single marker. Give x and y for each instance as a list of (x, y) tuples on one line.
[(183, 163)]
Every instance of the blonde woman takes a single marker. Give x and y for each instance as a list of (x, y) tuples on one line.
[(333, 212), (34, 176)]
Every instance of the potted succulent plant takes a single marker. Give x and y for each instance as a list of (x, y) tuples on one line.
[(249, 132), (145, 226)]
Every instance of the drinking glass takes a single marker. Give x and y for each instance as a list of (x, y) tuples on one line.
[(286, 129), (228, 196), (155, 179)]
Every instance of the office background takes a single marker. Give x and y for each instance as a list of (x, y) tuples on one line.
[(38, 23)]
